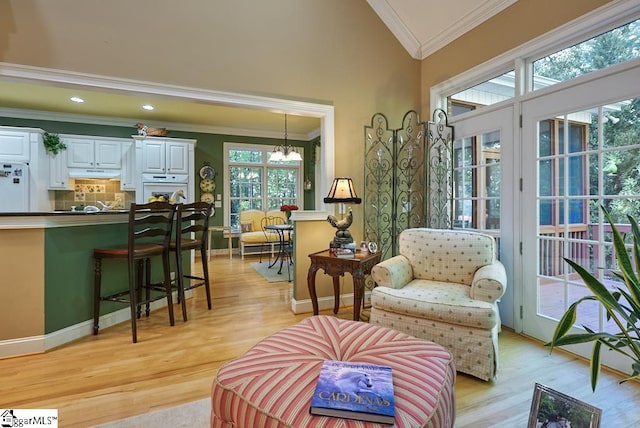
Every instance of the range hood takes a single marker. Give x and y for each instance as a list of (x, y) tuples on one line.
[(93, 173)]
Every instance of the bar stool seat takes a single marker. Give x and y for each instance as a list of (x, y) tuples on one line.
[(149, 234), (192, 234)]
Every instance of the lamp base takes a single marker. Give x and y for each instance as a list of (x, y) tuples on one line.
[(342, 238)]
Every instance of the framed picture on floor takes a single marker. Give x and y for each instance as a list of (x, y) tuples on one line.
[(553, 409)]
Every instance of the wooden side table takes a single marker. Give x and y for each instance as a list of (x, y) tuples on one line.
[(334, 266)]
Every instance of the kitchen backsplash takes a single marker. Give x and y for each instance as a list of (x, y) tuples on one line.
[(89, 192)]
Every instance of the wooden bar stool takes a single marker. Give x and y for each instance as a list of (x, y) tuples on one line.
[(192, 233), (150, 229)]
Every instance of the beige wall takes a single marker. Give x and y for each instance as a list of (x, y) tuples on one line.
[(329, 51), (518, 24), (22, 278)]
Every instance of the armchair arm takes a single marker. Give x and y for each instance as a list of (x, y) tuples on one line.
[(489, 283), (395, 272)]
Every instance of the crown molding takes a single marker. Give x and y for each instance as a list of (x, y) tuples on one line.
[(391, 19), (466, 23)]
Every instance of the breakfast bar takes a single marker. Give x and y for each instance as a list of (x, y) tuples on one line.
[(46, 260)]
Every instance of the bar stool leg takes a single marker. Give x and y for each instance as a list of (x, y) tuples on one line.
[(180, 282), (167, 285), (133, 304), (205, 275), (97, 281)]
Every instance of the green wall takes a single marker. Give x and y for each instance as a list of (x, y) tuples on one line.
[(69, 273)]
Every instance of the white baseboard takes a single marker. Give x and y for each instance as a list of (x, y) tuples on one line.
[(302, 306), (39, 344)]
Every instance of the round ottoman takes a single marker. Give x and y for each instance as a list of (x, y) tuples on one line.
[(272, 384)]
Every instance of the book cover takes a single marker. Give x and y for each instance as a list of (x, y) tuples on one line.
[(354, 390)]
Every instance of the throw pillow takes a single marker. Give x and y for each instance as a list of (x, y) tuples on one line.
[(246, 227)]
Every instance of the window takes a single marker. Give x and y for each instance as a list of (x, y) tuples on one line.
[(613, 47), (257, 183), (477, 181), (492, 91)]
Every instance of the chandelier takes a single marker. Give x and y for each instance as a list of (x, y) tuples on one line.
[(285, 152)]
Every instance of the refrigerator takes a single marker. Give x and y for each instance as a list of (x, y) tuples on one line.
[(14, 187)]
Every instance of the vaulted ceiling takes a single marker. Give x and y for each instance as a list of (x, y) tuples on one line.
[(421, 26)]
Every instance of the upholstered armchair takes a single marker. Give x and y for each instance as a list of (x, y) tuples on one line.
[(444, 286)]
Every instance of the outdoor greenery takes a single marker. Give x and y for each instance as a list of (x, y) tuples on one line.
[(622, 305), (52, 143), (621, 121)]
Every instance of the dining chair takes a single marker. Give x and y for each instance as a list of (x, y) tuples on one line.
[(192, 233), (149, 234), (270, 236)]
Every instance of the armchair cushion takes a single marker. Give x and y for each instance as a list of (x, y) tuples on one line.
[(440, 301), (489, 283), (395, 272)]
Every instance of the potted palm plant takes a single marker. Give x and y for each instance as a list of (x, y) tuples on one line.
[(622, 306)]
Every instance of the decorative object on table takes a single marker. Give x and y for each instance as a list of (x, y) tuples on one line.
[(550, 408), (177, 196), (354, 390), (52, 143), (345, 253), (286, 209), (616, 304), (364, 248), (372, 247), (284, 152), (145, 131), (342, 191)]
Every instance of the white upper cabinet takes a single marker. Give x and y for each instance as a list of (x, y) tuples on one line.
[(128, 177), (14, 146), (59, 172), (165, 157), (93, 153)]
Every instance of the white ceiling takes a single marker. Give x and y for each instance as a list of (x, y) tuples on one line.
[(421, 26)]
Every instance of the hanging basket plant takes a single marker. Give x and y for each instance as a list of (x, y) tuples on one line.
[(53, 144)]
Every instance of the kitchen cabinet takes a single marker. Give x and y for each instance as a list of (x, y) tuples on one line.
[(14, 145), (162, 156), (128, 175), (59, 172), (93, 153)]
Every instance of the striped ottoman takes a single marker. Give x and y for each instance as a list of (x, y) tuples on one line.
[(272, 384)]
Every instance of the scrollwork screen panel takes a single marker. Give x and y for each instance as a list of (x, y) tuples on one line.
[(439, 172)]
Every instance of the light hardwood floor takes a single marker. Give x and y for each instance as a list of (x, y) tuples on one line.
[(103, 378)]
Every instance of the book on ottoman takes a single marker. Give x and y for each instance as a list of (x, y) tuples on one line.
[(354, 390)]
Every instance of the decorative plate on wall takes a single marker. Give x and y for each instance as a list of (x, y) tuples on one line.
[(208, 198), (208, 185), (207, 172)]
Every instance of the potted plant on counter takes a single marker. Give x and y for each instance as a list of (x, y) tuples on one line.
[(622, 305), (52, 143)]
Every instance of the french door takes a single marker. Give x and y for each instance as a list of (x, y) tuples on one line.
[(580, 151), (484, 188)]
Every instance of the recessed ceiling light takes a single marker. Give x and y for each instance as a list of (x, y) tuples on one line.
[(148, 107), (76, 99)]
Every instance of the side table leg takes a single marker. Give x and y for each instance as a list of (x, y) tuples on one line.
[(358, 288), (336, 294), (311, 283)]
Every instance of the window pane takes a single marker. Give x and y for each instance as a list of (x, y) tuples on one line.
[(492, 91), (245, 156), (616, 46)]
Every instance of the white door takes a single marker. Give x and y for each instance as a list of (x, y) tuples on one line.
[(580, 151), (485, 186)]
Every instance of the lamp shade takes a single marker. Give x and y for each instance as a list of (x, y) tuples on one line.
[(341, 191)]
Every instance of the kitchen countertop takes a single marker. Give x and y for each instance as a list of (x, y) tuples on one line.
[(44, 220)]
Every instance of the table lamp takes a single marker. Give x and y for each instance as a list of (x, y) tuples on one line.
[(342, 191)]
